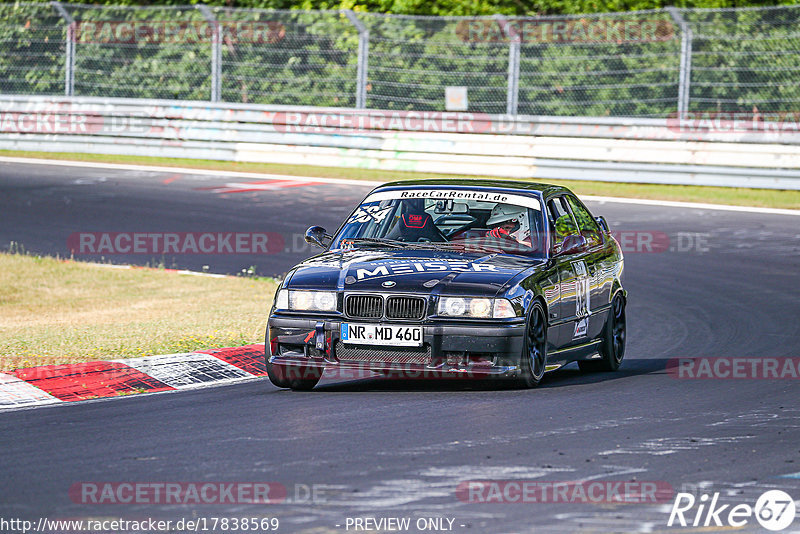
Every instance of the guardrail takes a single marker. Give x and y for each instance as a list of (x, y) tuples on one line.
[(687, 151)]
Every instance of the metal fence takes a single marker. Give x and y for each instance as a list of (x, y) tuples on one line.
[(634, 64)]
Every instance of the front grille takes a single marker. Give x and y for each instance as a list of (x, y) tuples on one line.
[(405, 308), (364, 306), (359, 353)]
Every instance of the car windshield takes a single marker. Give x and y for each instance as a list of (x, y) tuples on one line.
[(446, 219)]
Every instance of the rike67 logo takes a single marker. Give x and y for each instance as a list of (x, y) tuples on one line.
[(774, 510)]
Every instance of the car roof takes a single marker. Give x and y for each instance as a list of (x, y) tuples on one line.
[(546, 190)]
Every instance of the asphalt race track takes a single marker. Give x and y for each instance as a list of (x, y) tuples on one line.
[(726, 285)]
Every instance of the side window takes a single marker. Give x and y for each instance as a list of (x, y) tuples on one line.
[(588, 226), (561, 222)]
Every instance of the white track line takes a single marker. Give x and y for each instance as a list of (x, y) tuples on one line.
[(184, 170), (176, 271), (693, 205), (254, 175)]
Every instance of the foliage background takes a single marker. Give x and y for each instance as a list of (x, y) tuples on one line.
[(465, 7), (743, 60)]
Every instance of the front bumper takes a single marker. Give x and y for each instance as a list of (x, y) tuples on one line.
[(449, 350)]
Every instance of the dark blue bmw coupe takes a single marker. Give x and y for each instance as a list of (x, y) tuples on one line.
[(453, 278)]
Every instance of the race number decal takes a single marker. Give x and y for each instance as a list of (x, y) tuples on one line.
[(582, 297), (369, 213)]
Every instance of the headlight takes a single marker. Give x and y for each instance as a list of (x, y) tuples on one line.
[(480, 308), (306, 300), (282, 299), (452, 306)]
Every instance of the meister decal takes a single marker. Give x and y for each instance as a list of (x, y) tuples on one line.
[(423, 267)]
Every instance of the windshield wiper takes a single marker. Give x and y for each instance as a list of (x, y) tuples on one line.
[(393, 243), (421, 245), (435, 245), (374, 241), (489, 247)]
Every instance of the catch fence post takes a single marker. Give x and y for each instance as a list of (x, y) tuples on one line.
[(69, 56), (685, 74), (512, 90), (363, 59), (216, 53)]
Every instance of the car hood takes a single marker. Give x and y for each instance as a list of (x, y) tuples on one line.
[(408, 271)]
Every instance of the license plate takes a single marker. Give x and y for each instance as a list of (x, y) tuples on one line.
[(382, 334)]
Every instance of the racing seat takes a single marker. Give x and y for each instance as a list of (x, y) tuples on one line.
[(415, 226)]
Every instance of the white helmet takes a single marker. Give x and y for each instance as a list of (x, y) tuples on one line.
[(523, 233), (506, 212)]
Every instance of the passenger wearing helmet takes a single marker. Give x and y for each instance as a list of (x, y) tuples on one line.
[(508, 221)]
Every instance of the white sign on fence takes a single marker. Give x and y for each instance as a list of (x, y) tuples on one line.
[(455, 98)]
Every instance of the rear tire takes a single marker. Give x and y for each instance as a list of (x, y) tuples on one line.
[(612, 349), (533, 359)]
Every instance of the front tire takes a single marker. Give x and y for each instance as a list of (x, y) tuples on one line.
[(612, 349), (290, 376), (293, 377), (533, 360)]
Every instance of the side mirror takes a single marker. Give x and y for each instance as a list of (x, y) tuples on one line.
[(317, 236), (603, 224), (572, 244)]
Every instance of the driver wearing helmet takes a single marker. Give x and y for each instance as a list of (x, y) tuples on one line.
[(508, 221)]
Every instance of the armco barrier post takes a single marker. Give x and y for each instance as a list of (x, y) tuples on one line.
[(216, 53), (363, 59), (512, 90), (69, 55), (685, 75)]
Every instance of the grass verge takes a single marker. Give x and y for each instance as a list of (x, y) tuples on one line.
[(768, 198), (55, 311)]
